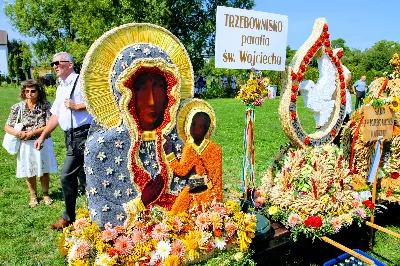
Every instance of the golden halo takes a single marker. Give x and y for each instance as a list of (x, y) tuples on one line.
[(188, 109), (99, 61)]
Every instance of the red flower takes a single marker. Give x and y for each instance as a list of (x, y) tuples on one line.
[(394, 175), (293, 115), (369, 204), (341, 77), (352, 124), (337, 63), (300, 77), (314, 48), (333, 198), (295, 88), (389, 193), (342, 85), (333, 59), (288, 185), (340, 70), (313, 221), (218, 232), (326, 35), (327, 43), (343, 100), (292, 153), (112, 252), (310, 53), (293, 98), (306, 141), (333, 132), (303, 67), (340, 54), (318, 43), (306, 60), (294, 76), (325, 28), (329, 52), (342, 93)]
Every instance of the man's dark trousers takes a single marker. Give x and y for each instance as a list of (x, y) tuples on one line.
[(359, 98), (69, 183)]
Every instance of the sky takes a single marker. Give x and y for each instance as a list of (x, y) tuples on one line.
[(361, 23)]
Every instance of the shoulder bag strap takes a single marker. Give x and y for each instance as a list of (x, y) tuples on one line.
[(19, 117), (70, 96)]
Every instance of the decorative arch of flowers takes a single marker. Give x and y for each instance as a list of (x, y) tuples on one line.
[(317, 42)]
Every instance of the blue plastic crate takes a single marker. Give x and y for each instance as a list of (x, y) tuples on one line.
[(347, 260)]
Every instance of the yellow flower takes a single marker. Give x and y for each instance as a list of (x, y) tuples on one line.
[(328, 148), (395, 104), (272, 210), (367, 100), (325, 199), (79, 263), (346, 218), (172, 260), (238, 256)]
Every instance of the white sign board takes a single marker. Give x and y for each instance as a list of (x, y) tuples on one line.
[(250, 39)]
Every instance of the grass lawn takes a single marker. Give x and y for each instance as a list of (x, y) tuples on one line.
[(25, 238)]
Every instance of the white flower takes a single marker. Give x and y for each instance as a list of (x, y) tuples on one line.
[(142, 150), (129, 191), (124, 65), (100, 140), (153, 258), (93, 212), (163, 249), (173, 136), (136, 47), (120, 56), (109, 171), (90, 170), (146, 163), (106, 183), (120, 130), (220, 242), (105, 208), (102, 259), (101, 156), (93, 190), (146, 51), (155, 165), (151, 155), (120, 217), (179, 155), (117, 193), (118, 144), (121, 177), (178, 147), (131, 55), (118, 160)]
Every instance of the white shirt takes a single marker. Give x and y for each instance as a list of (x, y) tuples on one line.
[(58, 108)]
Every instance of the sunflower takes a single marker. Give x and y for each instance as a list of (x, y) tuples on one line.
[(395, 104)]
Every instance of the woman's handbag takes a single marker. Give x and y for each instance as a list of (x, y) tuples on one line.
[(10, 142)]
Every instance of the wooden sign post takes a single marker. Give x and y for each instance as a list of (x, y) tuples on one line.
[(378, 121)]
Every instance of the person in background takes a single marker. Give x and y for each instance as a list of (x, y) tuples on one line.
[(70, 113), (32, 163), (359, 91)]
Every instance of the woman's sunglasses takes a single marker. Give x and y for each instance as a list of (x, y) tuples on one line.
[(30, 91), (57, 63)]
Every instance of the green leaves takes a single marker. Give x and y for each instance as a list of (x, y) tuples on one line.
[(67, 25)]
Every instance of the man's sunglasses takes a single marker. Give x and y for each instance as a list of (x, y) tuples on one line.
[(30, 91), (57, 63)]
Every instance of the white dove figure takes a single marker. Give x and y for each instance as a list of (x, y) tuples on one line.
[(318, 96)]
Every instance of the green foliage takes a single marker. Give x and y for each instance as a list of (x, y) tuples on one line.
[(231, 257), (19, 57), (51, 90), (67, 25)]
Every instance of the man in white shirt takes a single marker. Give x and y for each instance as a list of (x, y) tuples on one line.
[(68, 111)]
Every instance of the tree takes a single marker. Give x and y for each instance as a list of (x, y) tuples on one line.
[(68, 25), (19, 60)]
